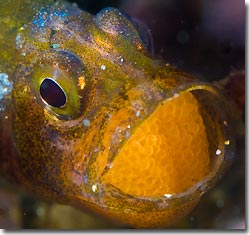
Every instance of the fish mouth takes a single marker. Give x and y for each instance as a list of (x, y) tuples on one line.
[(166, 154), (176, 151)]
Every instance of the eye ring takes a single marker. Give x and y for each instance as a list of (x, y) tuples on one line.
[(52, 93), (60, 71)]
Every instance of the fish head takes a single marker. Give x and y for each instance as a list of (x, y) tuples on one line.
[(96, 122)]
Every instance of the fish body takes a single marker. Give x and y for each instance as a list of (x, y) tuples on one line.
[(79, 94)]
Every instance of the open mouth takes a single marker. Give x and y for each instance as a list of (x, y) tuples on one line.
[(180, 145), (150, 168), (167, 154)]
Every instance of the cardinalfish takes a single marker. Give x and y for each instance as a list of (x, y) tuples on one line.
[(89, 118)]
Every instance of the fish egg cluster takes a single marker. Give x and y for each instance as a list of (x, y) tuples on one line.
[(167, 154)]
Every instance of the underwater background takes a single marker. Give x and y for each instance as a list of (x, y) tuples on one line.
[(203, 38)]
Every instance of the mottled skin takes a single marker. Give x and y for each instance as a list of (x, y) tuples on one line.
[(51, 151)]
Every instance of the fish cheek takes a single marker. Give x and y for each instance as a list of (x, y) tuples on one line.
[(39, 159)]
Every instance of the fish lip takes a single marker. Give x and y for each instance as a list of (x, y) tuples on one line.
[(196, 190)]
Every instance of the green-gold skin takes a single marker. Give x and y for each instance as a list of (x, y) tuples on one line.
[(103, 64)]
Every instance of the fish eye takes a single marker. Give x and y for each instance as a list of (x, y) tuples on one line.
[(61, 85), (52, 93)]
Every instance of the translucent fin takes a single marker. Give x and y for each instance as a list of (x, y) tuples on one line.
[(144, 33)]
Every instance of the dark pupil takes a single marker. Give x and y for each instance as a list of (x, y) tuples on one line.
[(52, 93)]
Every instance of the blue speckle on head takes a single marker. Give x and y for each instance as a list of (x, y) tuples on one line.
[(55, 46), (5, 85), (45, 16), (86, 122), (5, 89), (18, 41), (41, 18), (60, 13)]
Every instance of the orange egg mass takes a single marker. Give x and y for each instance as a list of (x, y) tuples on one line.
[(166, 154)]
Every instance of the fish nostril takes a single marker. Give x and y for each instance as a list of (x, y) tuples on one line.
[(52, 93)]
